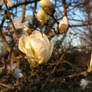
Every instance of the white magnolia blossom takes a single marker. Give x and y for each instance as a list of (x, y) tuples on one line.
[(84, 83), (18, 23), (36, 47), (46, 3), (63, 25), (42, 17)]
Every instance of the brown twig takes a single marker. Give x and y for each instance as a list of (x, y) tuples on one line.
[(6, 85), (72, 75), (10, 19), (35, 6), (69, 63), (23, 11), (53, 70), (64, 6)]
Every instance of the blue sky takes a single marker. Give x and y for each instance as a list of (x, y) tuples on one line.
[(75, 14)]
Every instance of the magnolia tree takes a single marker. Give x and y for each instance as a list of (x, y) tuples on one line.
[(40, 33)]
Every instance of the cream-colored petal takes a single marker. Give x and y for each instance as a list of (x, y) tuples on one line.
[(46, 3), (64, 20), (63, 25), (36, 34), (27, 44), (46, 40), (30, 52), (39, 48), (42, 47), (37, 45), (21, 44), (41, 38), (50, 51)]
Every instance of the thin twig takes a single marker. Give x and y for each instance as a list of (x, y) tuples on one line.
[(22, 3), (6, 85), (64, 6), (10, 19), (23, 11)]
